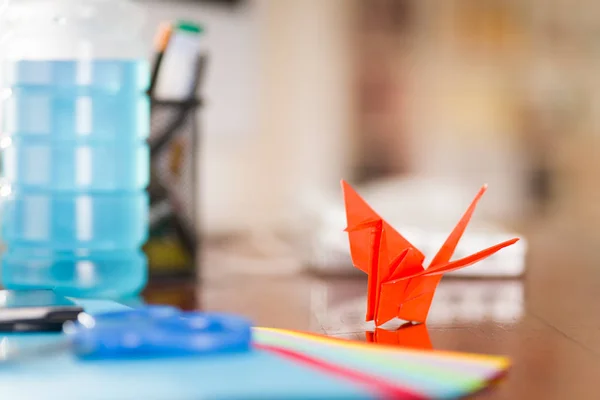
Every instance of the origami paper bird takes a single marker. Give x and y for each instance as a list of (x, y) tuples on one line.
[(398, 284)]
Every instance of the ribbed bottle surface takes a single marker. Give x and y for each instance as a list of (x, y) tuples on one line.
[(76, 161)]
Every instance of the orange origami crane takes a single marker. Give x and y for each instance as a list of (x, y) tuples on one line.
[(399, 285)]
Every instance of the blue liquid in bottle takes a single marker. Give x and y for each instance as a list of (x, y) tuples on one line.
[(77, 163)]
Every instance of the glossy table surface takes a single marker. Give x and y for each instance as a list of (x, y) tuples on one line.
[(547, 322)]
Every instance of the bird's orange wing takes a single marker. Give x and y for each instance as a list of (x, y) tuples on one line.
[(393, 291), (469, 260), (420, 289), (411, 292), (407, 299), (418, 298)]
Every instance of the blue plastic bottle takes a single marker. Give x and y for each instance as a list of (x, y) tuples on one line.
[(75, 119)]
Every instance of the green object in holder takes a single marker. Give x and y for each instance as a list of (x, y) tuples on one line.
[(188, 26)]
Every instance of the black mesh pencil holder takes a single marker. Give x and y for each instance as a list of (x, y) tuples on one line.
[(173, 245)]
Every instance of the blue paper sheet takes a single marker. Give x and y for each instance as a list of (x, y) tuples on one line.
[(257, 375)]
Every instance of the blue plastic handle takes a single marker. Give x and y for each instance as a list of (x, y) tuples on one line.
[(157, 331)]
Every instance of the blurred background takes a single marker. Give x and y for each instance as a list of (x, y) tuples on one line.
[(417, 103)]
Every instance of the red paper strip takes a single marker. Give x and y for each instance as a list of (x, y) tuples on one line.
[(382, 389)]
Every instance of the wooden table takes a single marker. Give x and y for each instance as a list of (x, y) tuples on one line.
[(548, 322)]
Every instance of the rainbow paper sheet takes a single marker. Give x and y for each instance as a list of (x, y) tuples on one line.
[(394, 371), (283, 365)]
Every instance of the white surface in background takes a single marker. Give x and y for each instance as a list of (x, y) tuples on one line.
[(456, 302), (475, 301)]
